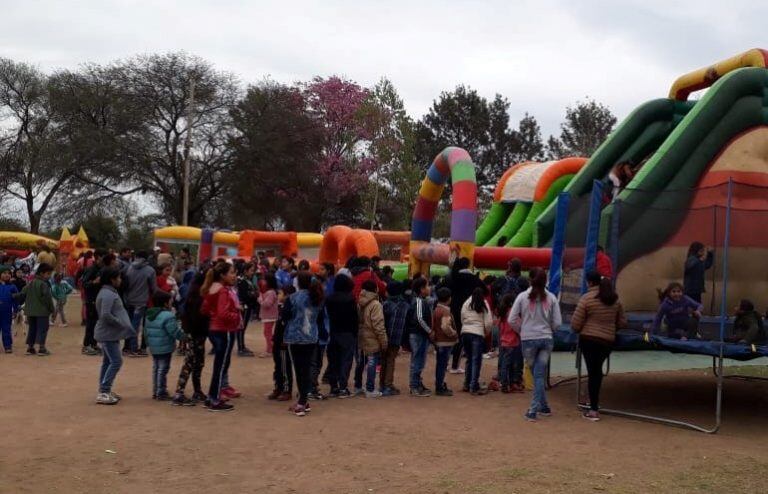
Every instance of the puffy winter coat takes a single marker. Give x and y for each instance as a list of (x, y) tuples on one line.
[(161, 331), (372, 337)]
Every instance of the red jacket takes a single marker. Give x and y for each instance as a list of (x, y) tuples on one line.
[(364, 276), (509, 338), (604, 265), (223, 307)]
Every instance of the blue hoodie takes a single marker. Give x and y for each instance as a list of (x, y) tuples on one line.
[(8, 303), (675, 312)]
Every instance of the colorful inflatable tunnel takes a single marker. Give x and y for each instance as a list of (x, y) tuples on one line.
[(455, 163)]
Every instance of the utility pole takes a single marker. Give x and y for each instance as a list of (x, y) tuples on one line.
[(187, 147)]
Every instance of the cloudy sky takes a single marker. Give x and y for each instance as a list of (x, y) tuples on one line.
[(542, 55)]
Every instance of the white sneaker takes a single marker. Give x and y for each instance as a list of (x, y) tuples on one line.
[(106, 399), (373, 394), (456, 371), (63, 325)]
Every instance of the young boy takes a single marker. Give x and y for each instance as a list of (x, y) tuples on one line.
[(8, 308), (445, 337), (161, 331), (395, 316), (372, 337), (419, 333), (38, 306), (60, 291)]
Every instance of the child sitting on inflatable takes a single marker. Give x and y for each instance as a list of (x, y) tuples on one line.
[(748, 325), (679, 312)]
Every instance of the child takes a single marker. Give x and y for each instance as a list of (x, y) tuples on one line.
[(372, 337), (283, 373), (161, 331), (8, 308), (511, 354), (268, 311), (419, 333), (343, 319), (748, 326), (680, 312), (395, 309), (246, 293), (60, 291), (195, 326), (445, 337), (38, 307), (476, 323)]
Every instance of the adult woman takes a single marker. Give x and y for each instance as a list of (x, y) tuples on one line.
[(537, 313), (476, 323), (597, 317), (303, 313), (698, 261), (221, 304), (112, 326)]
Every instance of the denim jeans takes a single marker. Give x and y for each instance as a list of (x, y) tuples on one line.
[(161, 364), (536, 354), (341, 354), (371, 361), (137, 317), (442, 357), (510, 365), (473, 346), (110, 365), (419, 344)]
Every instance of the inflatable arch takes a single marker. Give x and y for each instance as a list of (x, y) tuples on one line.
[(250, 239), (342, 242), (455, 163)]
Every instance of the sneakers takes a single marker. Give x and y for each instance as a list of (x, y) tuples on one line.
[(530, 416), (545, 412), (298, 410), (180, 400), (315, 396), (9, 350), (343, 394), (106, 399), (387, 392), (274, 394), (420, 392), (199, 397), (245, 352), (479, 392), (333, 394), (359, 391), (136, 354), (230, 392), (457, 370), (43, 352), (505, 389), (162, 397), (284, 397), (444, 391), (115, 395), (90, 351), (517, 388), (63, 325), (373, 394), (220, 407), (31, 351), (591, 415)]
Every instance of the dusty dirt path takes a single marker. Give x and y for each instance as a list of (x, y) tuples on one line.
[(54, 438)]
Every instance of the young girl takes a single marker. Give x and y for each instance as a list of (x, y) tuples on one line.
[(476, 324), (699, 260), (510, 353), (304, 313), (38, 307), (537, 313), (445, 336), (161, 331), (268, 311), (165, 281), (598, 316), (222, 306), (195, 326), (681, 313), (283, 373), (112, 326), (60, 291), (246, 292)]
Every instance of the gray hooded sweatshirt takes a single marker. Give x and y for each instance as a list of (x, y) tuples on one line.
[(113, 323), (142, 283)]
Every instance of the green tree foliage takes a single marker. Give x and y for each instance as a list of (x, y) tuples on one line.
[(103, 231), (586, 126)]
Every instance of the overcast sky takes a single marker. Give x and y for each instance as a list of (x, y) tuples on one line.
[(542, 55)]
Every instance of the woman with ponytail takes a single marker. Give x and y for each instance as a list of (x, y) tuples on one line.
[(598, 316), (222, 306), (476, 323), (536, 312)]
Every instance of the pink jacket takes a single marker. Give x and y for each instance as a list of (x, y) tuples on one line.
[(268, 302)]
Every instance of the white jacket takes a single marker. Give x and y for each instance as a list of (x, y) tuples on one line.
[(474, 322)]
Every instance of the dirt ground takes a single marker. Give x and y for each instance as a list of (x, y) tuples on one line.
[(55, 438)]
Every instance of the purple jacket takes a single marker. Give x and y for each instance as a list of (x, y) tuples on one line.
[(676, 313)]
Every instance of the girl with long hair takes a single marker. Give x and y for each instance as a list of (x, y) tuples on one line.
[(476, 323), (195, 325)]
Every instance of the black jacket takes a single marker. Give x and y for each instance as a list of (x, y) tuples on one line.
[(693, 280), (193, 321), (342, 313), (462, 284)]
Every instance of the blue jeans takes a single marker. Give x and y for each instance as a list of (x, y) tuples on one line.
[(536, 354), (137, 317), (110, 365), (6, 325), (510, 365), (371, 362), (419, 344), (161, 364), (442, 357), (473, 347)]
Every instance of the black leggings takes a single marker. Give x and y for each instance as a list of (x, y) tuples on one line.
[(301, 356), (594, 355), (241, 334)]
